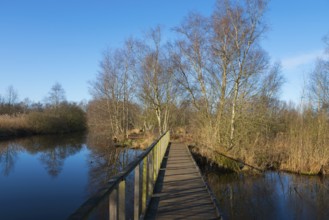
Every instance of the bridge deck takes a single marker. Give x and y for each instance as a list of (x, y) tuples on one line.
[(180, 192)]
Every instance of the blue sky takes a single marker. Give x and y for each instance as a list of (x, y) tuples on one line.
[(47, 41)]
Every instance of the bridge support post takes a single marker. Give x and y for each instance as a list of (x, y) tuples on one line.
[(122, 200), (150, 175), (154, 167), (113, 208), (136, 192), (144, 185)]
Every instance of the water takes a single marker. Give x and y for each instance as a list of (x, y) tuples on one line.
[(48, 177), (270, 196)]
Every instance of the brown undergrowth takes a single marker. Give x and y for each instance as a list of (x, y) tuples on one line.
[(61, 119), (302, 147), (13, 125)]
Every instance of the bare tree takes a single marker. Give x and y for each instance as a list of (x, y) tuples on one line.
[(246, 26), (2, 99), (326, 42), (156, 78), (128, 69), (219, 60), (193, 68), (191, 59), (106, 89), (319, 84), (113, 91), (319, 81), (56, 95), (271, 83), (11, 96), (9, 102)]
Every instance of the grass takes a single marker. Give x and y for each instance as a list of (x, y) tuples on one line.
[(144, 141), (63, 119), (14, 125)]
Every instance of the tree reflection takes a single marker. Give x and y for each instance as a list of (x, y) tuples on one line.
[(8, 156), (105, 161), (270, 196), (53, 150), (308, 197)]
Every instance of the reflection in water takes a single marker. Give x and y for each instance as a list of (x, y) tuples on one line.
[(49, 177), (55, 153), (52, 151), (105, 161), (8, 156), (270, 196)]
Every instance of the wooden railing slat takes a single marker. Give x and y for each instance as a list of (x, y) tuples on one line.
[(115, 188)]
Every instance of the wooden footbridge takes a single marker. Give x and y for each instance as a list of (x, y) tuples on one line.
[(162, 183)]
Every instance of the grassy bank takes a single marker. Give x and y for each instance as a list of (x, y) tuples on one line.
[(11, 126), (62, 119), (305, 161), (286, 139)]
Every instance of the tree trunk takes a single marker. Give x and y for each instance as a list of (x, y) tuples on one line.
[(221, 104), (158, 114), (233, 115)]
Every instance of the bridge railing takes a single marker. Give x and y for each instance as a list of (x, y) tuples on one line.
[(144, 170)]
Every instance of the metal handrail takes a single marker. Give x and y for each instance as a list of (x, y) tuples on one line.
[(115, 188)]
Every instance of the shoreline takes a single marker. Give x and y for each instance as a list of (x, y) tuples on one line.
[(206, 163)]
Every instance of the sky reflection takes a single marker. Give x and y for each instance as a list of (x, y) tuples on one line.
[(271, 196), (49, 177)]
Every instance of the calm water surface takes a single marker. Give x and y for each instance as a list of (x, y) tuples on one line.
[(48, 177), (270, 196)]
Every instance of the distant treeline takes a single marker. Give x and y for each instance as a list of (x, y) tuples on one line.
[(65, 118), (55, 116)]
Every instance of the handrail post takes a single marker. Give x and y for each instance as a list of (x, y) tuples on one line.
[(115, 189), (157, 161), (144, 185), (136, 192), (159, 147), (122, 200), (150, 176), (113, 206), (154, 166)]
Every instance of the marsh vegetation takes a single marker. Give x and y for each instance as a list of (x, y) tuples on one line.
[(215, 85), (212, 83)]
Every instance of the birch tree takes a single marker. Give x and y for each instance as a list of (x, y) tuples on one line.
[(156, 78), (192, 64), (112, 92), (218, 60), (245, 27)]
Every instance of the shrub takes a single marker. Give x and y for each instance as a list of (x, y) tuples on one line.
[(61, 119)]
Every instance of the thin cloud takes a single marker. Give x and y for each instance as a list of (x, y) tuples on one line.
[(301, 59)]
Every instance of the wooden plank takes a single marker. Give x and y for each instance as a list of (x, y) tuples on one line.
[(183, 193)]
